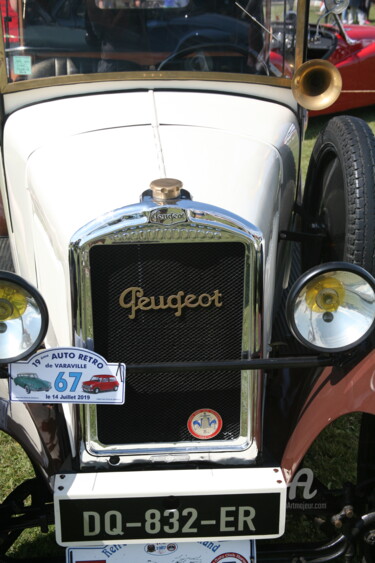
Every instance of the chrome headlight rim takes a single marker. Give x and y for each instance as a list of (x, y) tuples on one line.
[(33, 292), (301, 283)]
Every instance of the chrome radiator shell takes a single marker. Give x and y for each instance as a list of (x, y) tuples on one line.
[(150, 226)]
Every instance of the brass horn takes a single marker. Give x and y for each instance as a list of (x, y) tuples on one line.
[(316, 84)]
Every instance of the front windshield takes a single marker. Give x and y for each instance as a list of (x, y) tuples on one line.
[(44, 38)]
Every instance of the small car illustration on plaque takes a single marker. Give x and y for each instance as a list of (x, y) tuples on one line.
[(32, 382), (100, 383)]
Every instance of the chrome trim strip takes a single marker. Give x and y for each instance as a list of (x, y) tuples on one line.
[(196, 222)]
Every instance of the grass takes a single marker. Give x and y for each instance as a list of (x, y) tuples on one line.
[(11, 456), (16, 468), (336, 445)]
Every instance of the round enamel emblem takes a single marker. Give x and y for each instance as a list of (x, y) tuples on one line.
[(230, 558), (204, 424)]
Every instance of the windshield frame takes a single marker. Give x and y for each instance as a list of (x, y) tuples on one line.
[(153, 75)]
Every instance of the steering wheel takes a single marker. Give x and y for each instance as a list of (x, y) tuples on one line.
[(205, 62)]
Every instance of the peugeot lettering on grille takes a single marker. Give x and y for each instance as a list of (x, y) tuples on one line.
[(133, 298)]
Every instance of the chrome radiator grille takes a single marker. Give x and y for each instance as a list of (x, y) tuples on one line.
[(158, 406), (162, 284)]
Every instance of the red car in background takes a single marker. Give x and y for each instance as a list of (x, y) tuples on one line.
[(351, 48)]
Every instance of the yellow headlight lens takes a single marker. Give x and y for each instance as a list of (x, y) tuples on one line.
[(13, 301), (325, 295), (23, 318), (332, 307)]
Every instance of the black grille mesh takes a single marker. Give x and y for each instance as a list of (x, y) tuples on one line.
[(157, 406)]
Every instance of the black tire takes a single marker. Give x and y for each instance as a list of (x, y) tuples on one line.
[(96, 390), (27, 389), (339, 198), (115, 388)]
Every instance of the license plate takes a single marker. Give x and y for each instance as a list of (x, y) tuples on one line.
[(242, 551), (116, 519), (89, 512)]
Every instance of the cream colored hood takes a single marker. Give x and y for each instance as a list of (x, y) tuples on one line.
[(83, 157)]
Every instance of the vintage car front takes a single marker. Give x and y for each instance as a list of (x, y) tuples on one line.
[(157, 223)]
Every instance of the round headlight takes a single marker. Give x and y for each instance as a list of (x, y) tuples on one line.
[(331, 308), (23, 318)]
